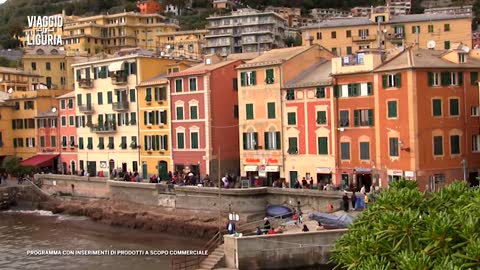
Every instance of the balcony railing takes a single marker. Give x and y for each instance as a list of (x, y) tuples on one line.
[(107, 127), (395, 36), (87, 108), (364, 38), (85, 83), (120, 106), (119, 79)]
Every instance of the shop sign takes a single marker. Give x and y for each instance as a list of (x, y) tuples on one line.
[(324, 170), (261, 171), (363, 170), (272, 160), (395, 172), (252, 160), (271, 168), (250, 168), (410, 174)]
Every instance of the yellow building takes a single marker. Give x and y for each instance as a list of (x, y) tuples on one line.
[(6, 131), (17, 80), (54, 63), (107, 109), (110, 33), (182, 43), (346, 36)]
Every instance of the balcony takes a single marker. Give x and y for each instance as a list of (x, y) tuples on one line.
[(107, 127), (364, 38), (86, 109), (120, 106), (85, 83), (119, 79), (395, 36)]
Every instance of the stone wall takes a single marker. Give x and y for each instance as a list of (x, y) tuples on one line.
[(95, 187), (281, 251)]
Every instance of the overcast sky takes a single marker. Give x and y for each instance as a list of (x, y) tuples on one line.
[(1, 1)]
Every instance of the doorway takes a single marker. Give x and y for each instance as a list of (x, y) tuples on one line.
[(271, 177), (92, 168), (345, 181), (124, 167), (324, 178), (163, 170), (111, 165), (144, 170), (364, 179), (472, 179), (73, 169), (293, 178), (64, 168), (195, 169)]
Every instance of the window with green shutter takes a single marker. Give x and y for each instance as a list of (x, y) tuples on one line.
[(249, 111), (369, 88), (123, 143), (243, 78), (345, 150), (446, 45), (269, 76), (101, 143), (178, 85), (148, 94), (180, 140), (292, 146), (132, 95), (320, 93), (179, 111), (80, 142), (437, 145), (109, 97), (292, 118), (111, 143), (446, 27), (79, 99), (393, 147), (133, 118), (336, 91), (364, 151), (15, 144), (62, 104), (71, 120), (194, 140), (271, 110), (193, 112), (192, 83), (290, 94), (437, 107), (392, 109), (321, 117), (349, 50), (430, 28), (473, 78), (100, 98), (64, 121), (90, 143), (235, 84), (455, 145), (454, 107), (323, 145)]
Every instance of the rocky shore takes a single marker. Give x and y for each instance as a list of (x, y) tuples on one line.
[(136, 216)]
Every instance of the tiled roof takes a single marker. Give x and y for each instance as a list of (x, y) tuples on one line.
[(67, 95), (201, 68), (340, 22), (318, 74), (159, 79), (276, 56)]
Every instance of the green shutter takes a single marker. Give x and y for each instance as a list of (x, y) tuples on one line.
[(446, 45), (271, 110), (235, 84), (266, 141), (145, 117), (132, 95), (370, 117), (80, 142), (249, 109), (345, 150), (430, 78), (79, 99), (100, 119), (269, 79), (133, 118), (292, 146), (165, 142), (64, 121), (349, 50), (292, 118), (109, 97), (255, 137), (445, 78), (278, 139), (242, 79), (180, 140), (100, 98), (364, 150), (398, 80), (320, 92), (133, 68), (15, 143), (454, 107), (369, 88), (179, 113), (356, 118), (245, 146), (384, 80), (321, 117), (350, 89), (178, 85), (460, 78), (322, 145), (336, 91), (392, 109), (193, 112), (254, 77), (437, 107), (14, 124), (473, 78)]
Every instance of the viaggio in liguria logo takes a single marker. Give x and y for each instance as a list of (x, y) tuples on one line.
[(43, 33)]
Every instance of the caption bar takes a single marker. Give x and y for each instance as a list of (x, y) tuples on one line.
[(107, 252)]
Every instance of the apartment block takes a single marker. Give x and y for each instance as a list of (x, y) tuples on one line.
[(328, 13), (68, 161), (454, 10), (346, 36), (189, 44), (244, 30)]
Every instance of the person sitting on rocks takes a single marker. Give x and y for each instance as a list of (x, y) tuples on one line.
[(305, 228)]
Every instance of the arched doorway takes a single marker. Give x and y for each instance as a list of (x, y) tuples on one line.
[(163, 170)]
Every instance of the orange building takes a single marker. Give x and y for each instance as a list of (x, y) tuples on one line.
[(149, 7)]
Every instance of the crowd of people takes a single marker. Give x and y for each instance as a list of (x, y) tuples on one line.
[(360, 201)]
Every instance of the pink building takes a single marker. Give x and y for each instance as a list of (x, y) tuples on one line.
[(204, 106), (68, 134)]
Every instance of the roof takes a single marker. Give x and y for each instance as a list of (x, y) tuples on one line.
[(39, 160), (424, 58), (201, 68), (67, 95), (42, 50), (186, 32), (340, 22), (318, 74), (159, 79), (242, 56), (17, 71), (276, 56)]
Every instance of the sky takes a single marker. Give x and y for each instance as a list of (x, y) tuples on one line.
[(2, 1)]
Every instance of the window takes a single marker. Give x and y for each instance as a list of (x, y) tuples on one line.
[(434, 78), (334, 34), (100, 98), (62, 65), (292, 118), (334, 51), (349, 33), (111, 142), (344, 118), (269, 76), (101, 143), (123, 143), (319, 35), (272, 140), (349, 50), (454, 107), (133, 118), (180, 140), (109, 97), (473, 78), (446, 27), (271, 110), (321, 117), (70, 103), (192, 83), (320, 93), (475, 111), (393, 145), (364, 151), (62, 104), (292, 146), (476, 143), (392, 109), (132, 95), (193, 112), (235, 84), (160, 94), (34, 66), (392, 80), (416, 29), (462, 58), (48, 66), (64, 121), (437, 145), (179, 113), (80, 142), (437, 107), (323, 145), (345, 150), (148, 95), (430, 28), (290, 94), (72, 141), (178, 85), (250, 141), (353, 89), (235, 111), (248, 78), (71, 121), (194, 140), (455, 145), (446, 45), (363, 118), (90, 143), (249, 110)]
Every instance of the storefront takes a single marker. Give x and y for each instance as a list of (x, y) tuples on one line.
[(394, 175), (272, 174), (363, 177), (324, 176)]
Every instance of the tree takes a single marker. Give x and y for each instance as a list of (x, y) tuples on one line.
[(11, 164), (408, 229)]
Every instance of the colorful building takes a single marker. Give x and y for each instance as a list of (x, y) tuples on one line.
[(68, 134), (347, 36), (261, 114), (203, 101), (189, 44), (13, 79), (149, 7), (6, 132)]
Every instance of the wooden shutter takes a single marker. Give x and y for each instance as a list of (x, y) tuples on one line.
[(323, 145), (385, 81), (370, 117), (356, 118), (473, 78), (242, 79), (255, 137), (336, 91), (430, 78), (460, 78), (369, 88), (253, 78), (398, 80), (279, 140), (245, 145), (145, 117), (266, 141)]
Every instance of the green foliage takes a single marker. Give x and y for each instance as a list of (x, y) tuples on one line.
[(292, 42), (11, 164), (4, 62), (410, 230)]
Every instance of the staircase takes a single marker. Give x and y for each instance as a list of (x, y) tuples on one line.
[(213, 258)]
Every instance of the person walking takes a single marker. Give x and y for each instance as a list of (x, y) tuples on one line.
[(353, 199), (345, 200)]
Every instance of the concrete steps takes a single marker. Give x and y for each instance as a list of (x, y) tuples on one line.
[(213, 259)]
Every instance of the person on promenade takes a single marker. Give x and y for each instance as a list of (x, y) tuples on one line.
[(271, 231), (363, 189), (345, 200), (231, 227), (367, 200), (266, 226), (305, 228), (259, 231), (304, 183), (311, 183), (354, 200), (297, 184)]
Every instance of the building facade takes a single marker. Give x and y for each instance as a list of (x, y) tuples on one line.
[(149, 7), (205, 118), (346, 36), (68, 134), (189, 44), (13, 80), (245, 30), (327, 13), (455, 10)]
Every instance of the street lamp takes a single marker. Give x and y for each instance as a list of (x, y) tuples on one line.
[(464, 165)]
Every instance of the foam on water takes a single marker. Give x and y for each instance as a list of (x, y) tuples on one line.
[(32, 212)]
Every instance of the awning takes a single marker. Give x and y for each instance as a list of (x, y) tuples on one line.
[(250, 168), (39, 161), (326, 170), (115, 66), (272, 169)]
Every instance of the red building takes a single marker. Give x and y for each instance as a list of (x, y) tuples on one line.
[(204, 111), (149, 7), (68, 134)]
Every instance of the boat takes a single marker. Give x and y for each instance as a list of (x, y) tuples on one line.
[(332, 221), (279, 211)]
